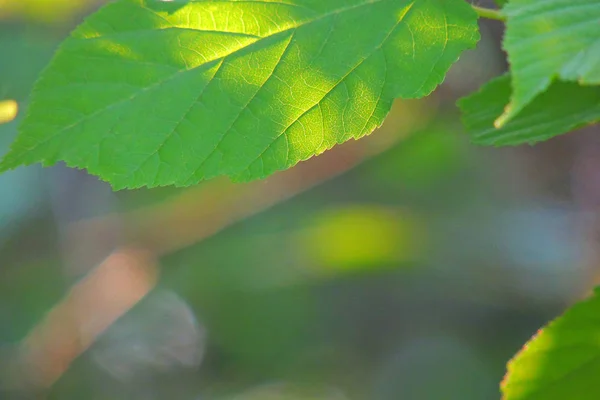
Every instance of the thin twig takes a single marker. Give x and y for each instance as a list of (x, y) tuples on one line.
[(489, 13)]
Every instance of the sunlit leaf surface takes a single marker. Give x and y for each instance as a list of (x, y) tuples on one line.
[(151, 93), (562, 361)]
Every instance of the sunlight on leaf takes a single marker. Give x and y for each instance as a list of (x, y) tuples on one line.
[(562, 361), (146, 94)]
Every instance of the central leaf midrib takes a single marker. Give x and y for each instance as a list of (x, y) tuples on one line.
[(341, 80)]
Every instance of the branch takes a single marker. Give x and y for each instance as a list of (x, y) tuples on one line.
[(489, 13), (120, 281)]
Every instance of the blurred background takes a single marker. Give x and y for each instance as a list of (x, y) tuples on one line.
[(407, 265)]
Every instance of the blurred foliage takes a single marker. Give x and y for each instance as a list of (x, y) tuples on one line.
[(355, 237), (413, 276), (561, 360), (430, 159), (28, 291), (289, 392), (49, 12), (25, 52)]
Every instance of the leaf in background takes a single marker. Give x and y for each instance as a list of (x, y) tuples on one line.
[(562, 361), (144, 94), (55, 11), (546, 40), (361, 238), (563, 107), (501, 3)]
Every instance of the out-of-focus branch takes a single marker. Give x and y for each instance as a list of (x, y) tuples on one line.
[(489, 13), (125, 277), (200, 212), (86, 311)]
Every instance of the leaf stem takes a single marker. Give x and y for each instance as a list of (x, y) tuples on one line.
[(489, 13)]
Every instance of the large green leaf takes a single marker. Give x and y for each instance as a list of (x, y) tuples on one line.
[(149, 93), (562, 361), (563, 107), (549, 39)]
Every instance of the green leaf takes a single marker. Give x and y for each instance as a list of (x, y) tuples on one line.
[(550, 39), (562, 361), (151, 93), (563, 107), (501, 3)]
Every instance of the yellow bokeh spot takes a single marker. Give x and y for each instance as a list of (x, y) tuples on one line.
[(45, 11), (8, 111), (362, 237)]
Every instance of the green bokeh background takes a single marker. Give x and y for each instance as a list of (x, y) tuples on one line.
[(415, 275)]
